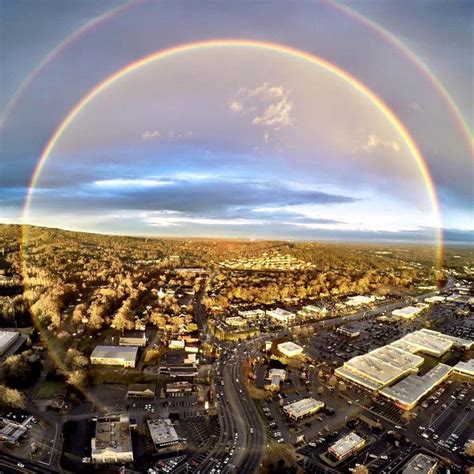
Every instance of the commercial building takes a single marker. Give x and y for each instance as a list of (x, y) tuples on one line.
[(113, 440), (435, 299), (176, 344), (281, 315), (141, 391), (179, 389), (409, 391), (276, 376), (359, 300), (311, 311), (346, 446), (7, 339), (125, 356), (164, 436), (465, 368), (12, 431), (304, 407), (137, 339), (421, 464), (344, 331), (407, 312), (236, 321), (252, 314), (289, 349), (422, 341), (458, 342)]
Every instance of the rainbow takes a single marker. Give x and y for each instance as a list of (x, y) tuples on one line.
[(420, 65), (54, 53), (239, 43)]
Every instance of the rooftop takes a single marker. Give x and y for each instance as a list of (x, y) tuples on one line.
[(409, 390), (162, 431), (428, 342), (303, 406), (344, 445), (420, 464), (289, 346), (112, 432), (465, 367), (397, 357), (128, 353)]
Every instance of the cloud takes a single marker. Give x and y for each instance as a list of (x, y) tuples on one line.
[(167, 135), (267, 106), (133, 182), (374, 142), (173, 219)]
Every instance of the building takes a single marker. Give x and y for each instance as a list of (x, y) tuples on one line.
[(276, 376), (11, 431), (345, 331), (125, 356), (137, 339), (422, 341), (179, 389), (113, 440), (236, 321), (301, 408), (176, 344), (141, 391), (346, 446), (7, 339), (435, 299), (359, 300), (408, 312), (458, 342), (281, 315), (421, 464), (252, 314), (311, 311), (465, 368), (164, 436), (409, 391), (289, 349)]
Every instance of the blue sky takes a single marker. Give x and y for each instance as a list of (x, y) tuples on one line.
[(234, 141)]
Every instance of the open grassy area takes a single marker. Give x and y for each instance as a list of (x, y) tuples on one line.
[(48, 390)]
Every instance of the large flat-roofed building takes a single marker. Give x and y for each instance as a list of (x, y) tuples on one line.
[(311, 311), (398, 358), (346, 446), (435, 299), (421, 464), (409, 391), (164, 436), (407, 312), (359, 300), (281, 315), (113, 440), (465, 368), (347, 332), (371, 371), (289, 349), (137, 339), (125, 356), (304, 407), (423, 342), (252, 314), (7, 339), (459, 342), (179, 389), (235, 321), (141, 391)]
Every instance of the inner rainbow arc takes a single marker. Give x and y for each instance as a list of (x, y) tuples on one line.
[(233, 43)]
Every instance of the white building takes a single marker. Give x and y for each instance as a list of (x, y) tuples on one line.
[(435, 299), (465, 368), (164, 436), (236, 321), (407, 312), (359, 300), (281, 315), (176, 344), (304, 407), (113, 440), (125, 356), (133, 339), (7, 339), (421, 464), (252, 314), (311, 311), (289, 349), (346, 446)]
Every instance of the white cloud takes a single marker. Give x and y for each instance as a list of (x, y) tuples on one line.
[(268, 106), (132, 182), (174, 218), (374, 142), (168, 135)]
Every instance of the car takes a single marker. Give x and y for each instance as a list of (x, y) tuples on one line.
[(425, 436), (20, 464), (280, 440)]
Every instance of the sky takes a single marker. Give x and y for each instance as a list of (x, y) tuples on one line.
[(234, 139)]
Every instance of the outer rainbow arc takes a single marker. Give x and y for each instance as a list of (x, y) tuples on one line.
[(420, 65), (355, 83)]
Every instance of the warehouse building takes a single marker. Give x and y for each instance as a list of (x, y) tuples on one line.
[(164, 436), (304, 407), (125, 356), (289, 349), (407, 312), (252, 314), (113, 440), (344, 331), (311, 311), (465, 368), (359, 300), (137, 339), (346, 446), (420, 341), (435, 299), (421, 464), (7, 339), (458, 342), (409, 391), (281, 315)]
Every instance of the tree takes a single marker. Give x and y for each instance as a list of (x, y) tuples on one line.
[(361, 469), (11, 398), (332, 382), (78, 379), (469, 448)]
